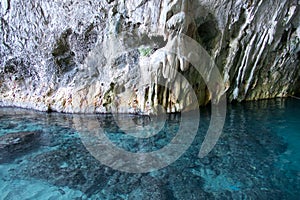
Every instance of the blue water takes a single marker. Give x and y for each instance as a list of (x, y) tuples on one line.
[(256, 157)]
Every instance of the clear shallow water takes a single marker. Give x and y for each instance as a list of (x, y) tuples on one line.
[(257, 157)]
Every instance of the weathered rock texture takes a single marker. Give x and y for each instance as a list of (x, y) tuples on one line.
[(54, 54)]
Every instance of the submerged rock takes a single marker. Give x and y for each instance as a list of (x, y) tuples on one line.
[(72, 167), (15, 144)]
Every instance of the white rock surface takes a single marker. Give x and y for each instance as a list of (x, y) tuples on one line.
[(59, 55)]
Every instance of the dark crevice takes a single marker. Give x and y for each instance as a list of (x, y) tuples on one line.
[(62, 54), (209, 33), (237, 25)]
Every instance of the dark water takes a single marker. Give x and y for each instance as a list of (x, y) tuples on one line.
[(42, 156)]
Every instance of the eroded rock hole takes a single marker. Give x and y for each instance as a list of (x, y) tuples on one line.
[(208, 33)]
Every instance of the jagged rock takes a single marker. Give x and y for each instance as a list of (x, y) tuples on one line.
[(15, 144), (62, 56)]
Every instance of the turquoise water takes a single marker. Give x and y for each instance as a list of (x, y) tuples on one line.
[(256, 157)]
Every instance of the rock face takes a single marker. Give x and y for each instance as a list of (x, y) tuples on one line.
[(60, 55)]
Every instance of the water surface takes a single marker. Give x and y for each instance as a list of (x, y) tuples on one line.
[(256, 157)]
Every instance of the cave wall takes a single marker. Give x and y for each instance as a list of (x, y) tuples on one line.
[(57, 55)]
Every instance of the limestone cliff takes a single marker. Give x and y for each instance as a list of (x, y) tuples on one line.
[(59, 55)]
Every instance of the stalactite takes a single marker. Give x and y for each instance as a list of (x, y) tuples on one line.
[(255, 45)]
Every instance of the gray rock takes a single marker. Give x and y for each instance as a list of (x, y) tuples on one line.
[(57, 55)]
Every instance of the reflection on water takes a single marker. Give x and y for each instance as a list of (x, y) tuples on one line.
[(45, 156)]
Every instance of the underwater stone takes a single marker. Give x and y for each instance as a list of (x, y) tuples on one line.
[(13, 145)]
